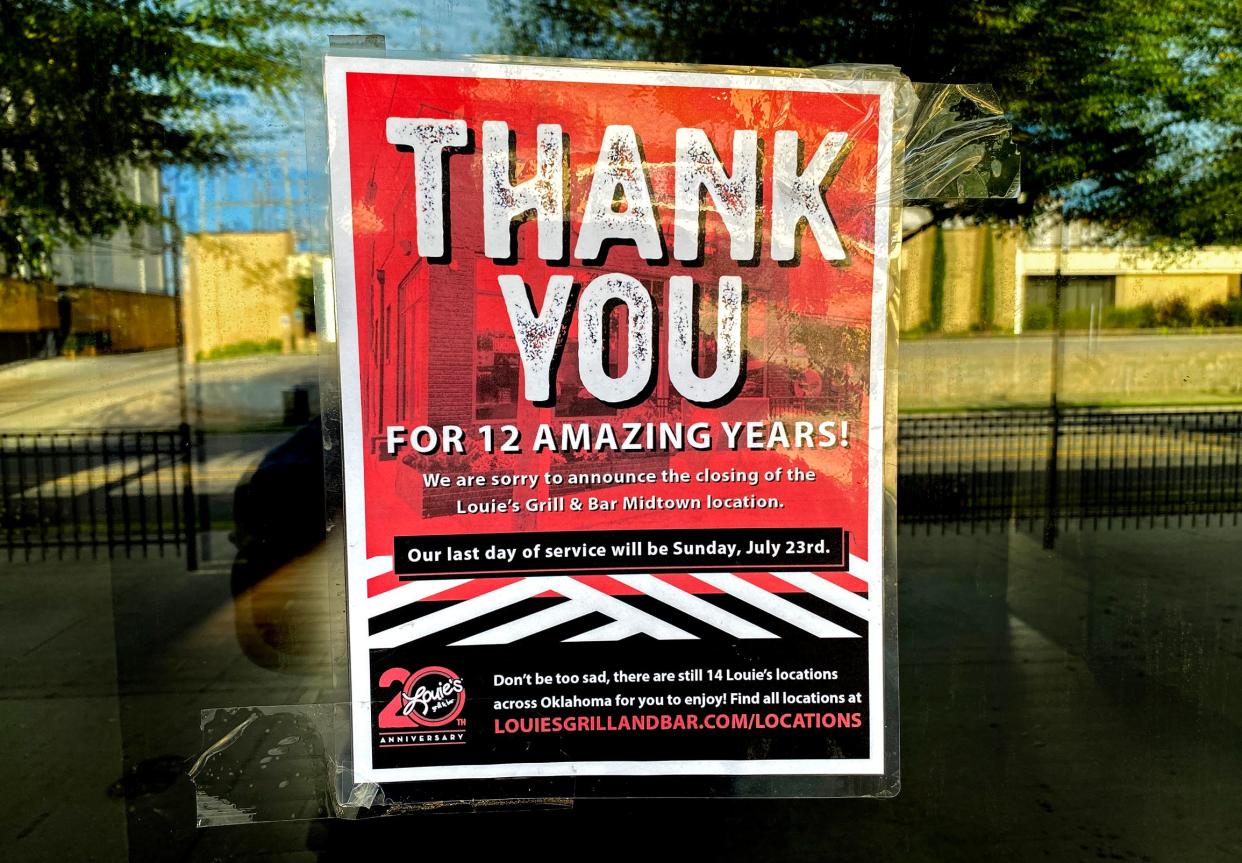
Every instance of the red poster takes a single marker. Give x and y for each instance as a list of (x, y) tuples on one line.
[(612, 373)]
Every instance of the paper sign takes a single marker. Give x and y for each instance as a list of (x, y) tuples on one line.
[(612, 373)]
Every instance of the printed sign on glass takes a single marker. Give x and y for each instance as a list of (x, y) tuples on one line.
[(612, 368)]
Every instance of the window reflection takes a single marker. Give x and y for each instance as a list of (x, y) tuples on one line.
[(1069, 464)]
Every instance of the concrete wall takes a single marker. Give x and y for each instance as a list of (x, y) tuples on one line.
[(916, 254), (123, 320), (133, 321), (965, 252), (1195, 288), (238, 288), (27, 307), (131, 260), (1141, 275)]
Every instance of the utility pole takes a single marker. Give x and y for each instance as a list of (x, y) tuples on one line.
[(1053, 486), (174, 247), (186, 442)]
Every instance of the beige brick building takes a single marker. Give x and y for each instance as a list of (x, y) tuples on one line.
[(239, 287), (1022, 267)]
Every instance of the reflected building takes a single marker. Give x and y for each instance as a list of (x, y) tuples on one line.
[(107, 294), (959, 277)]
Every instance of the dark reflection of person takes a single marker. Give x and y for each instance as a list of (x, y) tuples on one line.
[(278, 513), (268, 763), (64, 319)]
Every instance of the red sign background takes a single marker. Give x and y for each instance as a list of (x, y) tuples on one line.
[(435, 341)]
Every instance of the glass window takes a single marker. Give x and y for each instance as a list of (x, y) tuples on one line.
[(1077, 292), (1068, 492)]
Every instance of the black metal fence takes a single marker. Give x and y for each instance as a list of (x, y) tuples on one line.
[(109, 493), (75, 494), (1048, 470)]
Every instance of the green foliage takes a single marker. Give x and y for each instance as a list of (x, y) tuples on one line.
[(1078, 319), (920, 330), (1174, 312), (85, 342), (935, 318), (987, 284), (1213, 314), (829, 345), (240, 349), (1037, 318), (1129, 317), (93, 89), (1127, 112), (1220, 314)]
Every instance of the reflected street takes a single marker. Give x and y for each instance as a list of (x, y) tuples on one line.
[(1025, 674)]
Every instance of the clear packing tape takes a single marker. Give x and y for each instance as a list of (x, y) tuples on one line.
[(954, 139), (284, 763), (959, 146), (279, 763)]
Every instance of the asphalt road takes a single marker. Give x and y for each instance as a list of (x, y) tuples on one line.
[(1040, 345), (141, 391), (1149, 369)]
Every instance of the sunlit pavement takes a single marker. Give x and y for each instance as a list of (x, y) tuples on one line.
[(141, 390), (1080, 704), (1151, 368)]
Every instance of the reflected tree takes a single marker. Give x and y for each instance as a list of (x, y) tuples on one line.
[(92, 89), (1127, 112)]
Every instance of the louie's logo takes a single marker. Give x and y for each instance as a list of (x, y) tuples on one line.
[(431, 697)]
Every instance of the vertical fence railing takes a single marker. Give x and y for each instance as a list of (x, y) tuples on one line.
[(131, 493), (69, 495), (1111, 468), (971, 469)]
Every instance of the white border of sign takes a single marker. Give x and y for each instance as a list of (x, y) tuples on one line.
[(335, 70)]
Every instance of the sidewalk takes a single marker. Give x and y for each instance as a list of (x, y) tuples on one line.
[(1079, 704), (108, 666)]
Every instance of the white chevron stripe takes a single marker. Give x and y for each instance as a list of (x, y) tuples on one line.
[(693, 606), (637, 622), (614, 631), (583, 599), (829, 592), (377, 565), (627, 620), (459, 612), (409, 592), (862, 570), (529, 625), (774, 605)]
